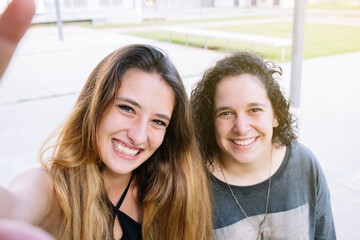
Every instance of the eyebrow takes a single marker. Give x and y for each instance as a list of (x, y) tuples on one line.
[(163, 116), (134, 103), (249, 105), (256, 104), (128, 100)]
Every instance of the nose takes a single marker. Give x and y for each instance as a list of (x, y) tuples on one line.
[(241, 124), (138, 132)]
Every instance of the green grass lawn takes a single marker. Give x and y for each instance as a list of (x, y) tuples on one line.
[(320, 39)]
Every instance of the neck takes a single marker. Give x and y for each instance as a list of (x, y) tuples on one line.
[(115, 184), (247, 174), (243, 175)]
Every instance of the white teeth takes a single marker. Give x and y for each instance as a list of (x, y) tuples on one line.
[(244, 142), (124, 149)]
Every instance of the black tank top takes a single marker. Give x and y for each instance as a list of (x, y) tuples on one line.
[(131, 229)]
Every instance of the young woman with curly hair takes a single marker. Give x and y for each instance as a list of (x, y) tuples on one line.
[(265, 184)]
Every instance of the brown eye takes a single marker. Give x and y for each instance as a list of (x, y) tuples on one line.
[(126, 108), (224, 114), (254, 110), (159, 122)]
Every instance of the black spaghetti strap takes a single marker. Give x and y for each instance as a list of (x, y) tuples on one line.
[(116, 209), (131, 228)]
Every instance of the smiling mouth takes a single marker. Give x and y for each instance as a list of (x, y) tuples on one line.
[(123, 149), (244, 142)]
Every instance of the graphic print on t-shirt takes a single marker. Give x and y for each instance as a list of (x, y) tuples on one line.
[(292, 224)]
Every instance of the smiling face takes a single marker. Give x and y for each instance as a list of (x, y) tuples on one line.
[(133, 126), (244, 120)]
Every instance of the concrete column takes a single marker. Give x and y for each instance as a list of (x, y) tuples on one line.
[(297, 52), (138, 8), (58, 20)]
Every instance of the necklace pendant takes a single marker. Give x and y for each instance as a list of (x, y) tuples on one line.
[(262, 236)]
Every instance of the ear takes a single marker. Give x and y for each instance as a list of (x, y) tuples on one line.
[(275, 122)]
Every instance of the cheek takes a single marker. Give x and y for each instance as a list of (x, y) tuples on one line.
[(102, 135), (264, 125), (156, 138), (106, 121), (222, 126)]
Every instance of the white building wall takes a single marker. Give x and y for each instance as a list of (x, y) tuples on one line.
[(270, 3), (287, 3), (224, 3), (231, 3), (125, 11), (259, 3), (264, 3), (97, 11)]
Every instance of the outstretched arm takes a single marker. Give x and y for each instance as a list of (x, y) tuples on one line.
[(13, 230), (14, 22), (28, 197)]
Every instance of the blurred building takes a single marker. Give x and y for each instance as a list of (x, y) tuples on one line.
[(117, 11), (337, 3), (254, 3)]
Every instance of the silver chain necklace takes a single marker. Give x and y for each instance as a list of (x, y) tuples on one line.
[(260, 232)]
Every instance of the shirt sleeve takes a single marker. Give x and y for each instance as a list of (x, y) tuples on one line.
[(324, 225)]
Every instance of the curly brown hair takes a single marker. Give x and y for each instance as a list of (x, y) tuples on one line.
[(202, 100)]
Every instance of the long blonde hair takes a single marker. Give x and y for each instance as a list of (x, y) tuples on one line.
[(172, 183)]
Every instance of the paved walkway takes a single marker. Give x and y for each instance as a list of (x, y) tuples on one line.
[(46, 75)]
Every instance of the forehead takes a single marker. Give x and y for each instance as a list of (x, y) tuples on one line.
[(147, 89), (244, 88)]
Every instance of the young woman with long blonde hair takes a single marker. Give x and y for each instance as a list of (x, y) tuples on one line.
[(125, 164)]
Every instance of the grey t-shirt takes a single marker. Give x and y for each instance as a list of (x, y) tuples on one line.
[(299, 205)]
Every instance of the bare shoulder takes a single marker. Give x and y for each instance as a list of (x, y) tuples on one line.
[(35, 180), (32, 192)]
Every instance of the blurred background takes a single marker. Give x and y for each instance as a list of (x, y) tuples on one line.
[(69, 37)]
